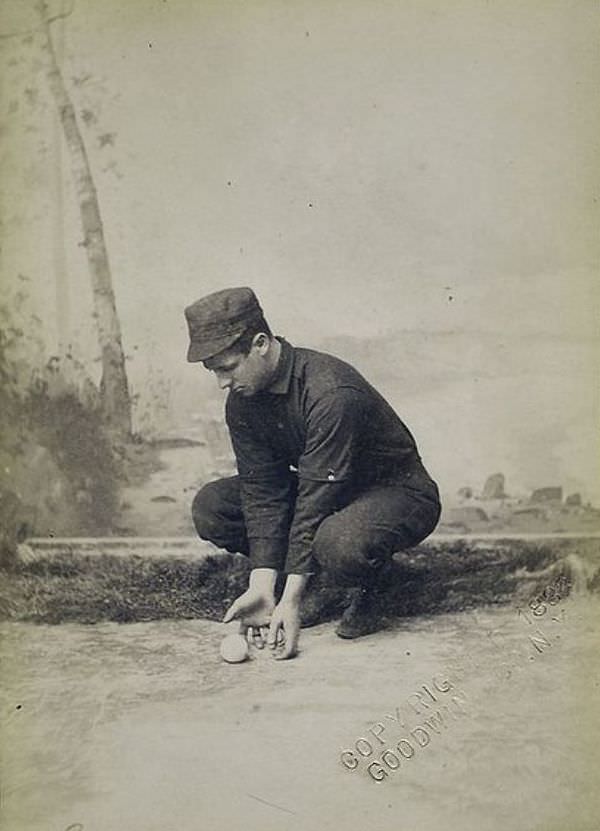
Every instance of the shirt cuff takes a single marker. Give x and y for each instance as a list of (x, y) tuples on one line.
[(300, 560), (267, 552)]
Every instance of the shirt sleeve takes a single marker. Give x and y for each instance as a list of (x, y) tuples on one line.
[(266, 491), (327, 469)]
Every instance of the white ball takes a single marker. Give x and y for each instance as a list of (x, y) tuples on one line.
[(234, 649)]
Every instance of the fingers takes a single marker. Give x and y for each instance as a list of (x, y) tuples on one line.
[(283, 639), (276, 632), (282, 634), (289, 649), (233, 612), (255, 635), (242, 607)]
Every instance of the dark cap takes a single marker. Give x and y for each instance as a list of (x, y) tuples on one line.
[(216, 321)]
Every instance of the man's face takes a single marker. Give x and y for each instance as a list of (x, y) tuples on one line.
[(242, 374)]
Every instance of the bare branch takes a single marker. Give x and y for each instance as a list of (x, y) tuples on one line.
[(64, 14), (42, 7), (59, 16), (20, 33)]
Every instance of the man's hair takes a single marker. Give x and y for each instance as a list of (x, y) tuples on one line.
[(244, 343)]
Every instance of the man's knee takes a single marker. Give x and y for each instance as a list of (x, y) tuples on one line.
[(206, 510), (336, 548)]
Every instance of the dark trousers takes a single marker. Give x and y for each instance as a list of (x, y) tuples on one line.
[(354, 543)]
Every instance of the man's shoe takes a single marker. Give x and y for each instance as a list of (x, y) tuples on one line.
[(364, 615), (321, 604), (322, 601), (311, 613)]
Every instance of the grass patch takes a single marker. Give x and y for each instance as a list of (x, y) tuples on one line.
[(93, 588), (433, 578)]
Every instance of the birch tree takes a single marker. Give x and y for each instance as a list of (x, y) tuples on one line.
[(114, 388)]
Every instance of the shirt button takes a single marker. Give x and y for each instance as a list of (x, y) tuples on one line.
[(280, 425)]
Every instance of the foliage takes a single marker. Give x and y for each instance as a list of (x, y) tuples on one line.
[(60, 470)]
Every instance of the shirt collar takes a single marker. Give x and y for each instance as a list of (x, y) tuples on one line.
[(283, 374)]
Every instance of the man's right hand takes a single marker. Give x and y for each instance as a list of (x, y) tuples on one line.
[(254, 608)]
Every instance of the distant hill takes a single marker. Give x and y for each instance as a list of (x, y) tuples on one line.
[(476, 402)]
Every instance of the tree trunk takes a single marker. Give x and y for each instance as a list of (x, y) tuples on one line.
[(114, 389), (63, 316)]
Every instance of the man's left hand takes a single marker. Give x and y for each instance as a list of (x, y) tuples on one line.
[(284, 630)]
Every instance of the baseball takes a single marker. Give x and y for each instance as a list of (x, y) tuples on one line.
[(234, 649)]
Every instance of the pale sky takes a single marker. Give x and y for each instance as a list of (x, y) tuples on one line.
[(370, 168)]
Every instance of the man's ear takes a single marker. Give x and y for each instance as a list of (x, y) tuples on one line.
[(261, 342)]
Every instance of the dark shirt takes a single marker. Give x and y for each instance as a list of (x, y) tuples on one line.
[(322, 418)]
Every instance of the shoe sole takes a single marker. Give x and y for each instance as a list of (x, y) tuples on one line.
[(347, 636)]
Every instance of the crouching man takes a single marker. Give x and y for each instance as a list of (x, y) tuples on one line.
[(329, 477)]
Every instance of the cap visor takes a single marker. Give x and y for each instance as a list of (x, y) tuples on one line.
[(196, 352), (201, 351)]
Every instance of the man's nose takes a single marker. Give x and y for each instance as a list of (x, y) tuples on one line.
[(223, 380)]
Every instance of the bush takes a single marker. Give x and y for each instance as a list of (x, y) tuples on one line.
[(59, 468)]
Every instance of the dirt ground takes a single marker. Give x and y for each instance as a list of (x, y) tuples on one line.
[(141, 726)]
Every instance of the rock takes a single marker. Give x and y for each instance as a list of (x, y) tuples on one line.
[(25, 553), (549, 494), (465, 493), (535, 513), (573, 500), (494, 487), (452, 528)]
